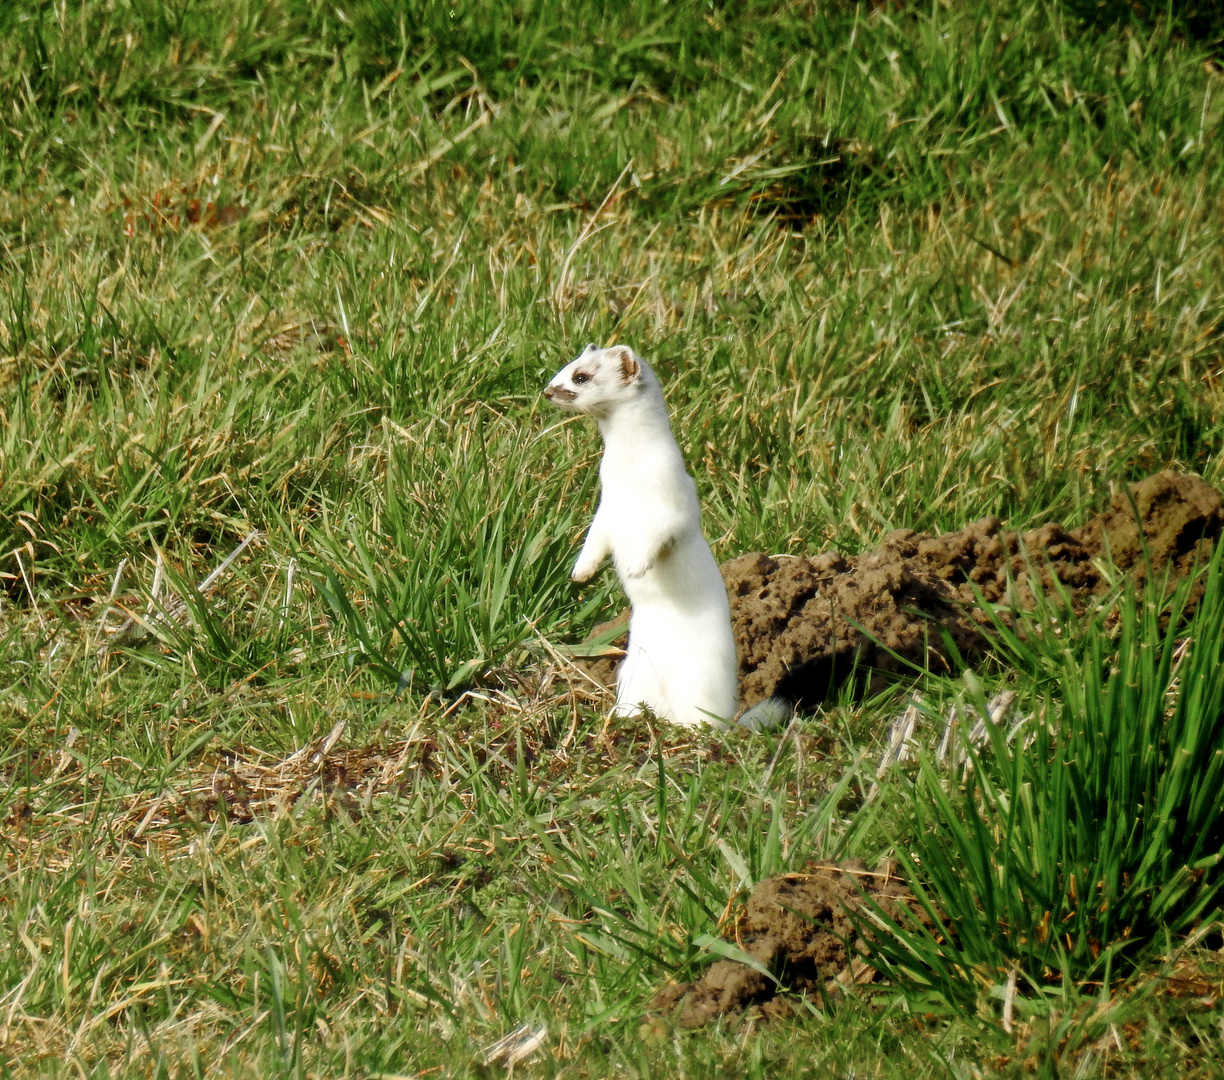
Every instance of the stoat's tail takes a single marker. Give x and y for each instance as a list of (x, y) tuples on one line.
[(766, 715)]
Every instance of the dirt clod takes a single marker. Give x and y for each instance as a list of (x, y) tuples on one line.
[(795, 926)]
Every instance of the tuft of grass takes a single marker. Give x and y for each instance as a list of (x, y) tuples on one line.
[(1092, 832), (447, 575)]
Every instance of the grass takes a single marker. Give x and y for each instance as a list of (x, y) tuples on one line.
[(303, 268)]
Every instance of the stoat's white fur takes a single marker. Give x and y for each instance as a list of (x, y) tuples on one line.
[(681, 656)]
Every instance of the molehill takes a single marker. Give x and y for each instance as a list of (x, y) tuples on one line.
[(803, 624), (797, 927)]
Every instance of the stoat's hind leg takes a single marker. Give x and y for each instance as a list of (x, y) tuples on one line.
[(703, 678), (637, 685), (698, 699)]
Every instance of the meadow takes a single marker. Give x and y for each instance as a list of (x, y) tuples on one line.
[(300, 269)]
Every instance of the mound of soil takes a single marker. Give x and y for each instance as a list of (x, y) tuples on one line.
[(797, 928), (804, 625)]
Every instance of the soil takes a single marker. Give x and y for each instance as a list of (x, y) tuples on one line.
[(795, 926), (804, 625)]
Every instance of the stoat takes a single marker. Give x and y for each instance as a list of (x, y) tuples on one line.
[(680, 661)]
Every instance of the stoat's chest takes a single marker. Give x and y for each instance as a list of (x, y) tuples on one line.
[(643, 482), (647, 486)]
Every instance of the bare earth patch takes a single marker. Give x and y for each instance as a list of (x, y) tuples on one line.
[(803, 624)]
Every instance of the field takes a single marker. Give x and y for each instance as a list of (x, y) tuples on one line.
[(301, 269)]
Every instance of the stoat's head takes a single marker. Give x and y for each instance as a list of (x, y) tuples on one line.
[(600, 380)]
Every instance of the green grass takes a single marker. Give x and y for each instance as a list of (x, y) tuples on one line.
[(303, 268), (1089, 828)]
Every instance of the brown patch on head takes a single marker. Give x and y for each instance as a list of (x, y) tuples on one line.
[(629, 367)]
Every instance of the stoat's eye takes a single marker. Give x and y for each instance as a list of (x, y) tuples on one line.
[(581, 377)]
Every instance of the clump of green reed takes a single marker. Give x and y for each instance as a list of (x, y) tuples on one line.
[(1096, 830)]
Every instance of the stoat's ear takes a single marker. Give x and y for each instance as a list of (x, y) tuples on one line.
[(630, 369)]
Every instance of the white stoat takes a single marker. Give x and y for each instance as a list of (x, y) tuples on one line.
[(681, 659)]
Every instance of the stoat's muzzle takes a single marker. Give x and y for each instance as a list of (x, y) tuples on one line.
[(559, 395)]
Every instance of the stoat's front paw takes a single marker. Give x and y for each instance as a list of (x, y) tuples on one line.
[(648, 562), (639, 569), (583, 571)]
